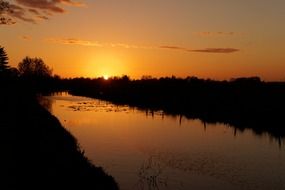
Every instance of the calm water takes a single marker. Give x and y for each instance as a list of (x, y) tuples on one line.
[(144, 150)]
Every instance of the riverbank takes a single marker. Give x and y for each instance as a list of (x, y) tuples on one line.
[(245, 103), (37, 151)]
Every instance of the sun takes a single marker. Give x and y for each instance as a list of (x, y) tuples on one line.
[(106, 77)]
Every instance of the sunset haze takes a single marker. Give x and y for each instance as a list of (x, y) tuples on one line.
[(220, 39)]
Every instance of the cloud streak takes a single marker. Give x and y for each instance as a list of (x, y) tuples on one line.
[(206, 50), (74, 41), (217, 34), (34, 11), (216, 50)]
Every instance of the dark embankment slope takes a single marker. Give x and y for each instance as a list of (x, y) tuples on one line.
[(241, 103), (37, 152)]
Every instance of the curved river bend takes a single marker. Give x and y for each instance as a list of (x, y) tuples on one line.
[(146, 150)]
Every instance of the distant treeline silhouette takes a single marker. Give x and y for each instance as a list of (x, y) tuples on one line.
[(241, 102)]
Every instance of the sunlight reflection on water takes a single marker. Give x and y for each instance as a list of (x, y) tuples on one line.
[(150, 150)]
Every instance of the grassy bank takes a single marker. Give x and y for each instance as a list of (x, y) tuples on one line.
[(37, 152)]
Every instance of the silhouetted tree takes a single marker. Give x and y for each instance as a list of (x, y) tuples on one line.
[(125, 78), (34, 68), (246, 80), (3, 60), (146, 77), (13, 72)]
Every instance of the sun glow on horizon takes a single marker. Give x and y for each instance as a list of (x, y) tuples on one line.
[(106, 77), (106, 64)]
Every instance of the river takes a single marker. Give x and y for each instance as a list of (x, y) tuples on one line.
[(146, 150)]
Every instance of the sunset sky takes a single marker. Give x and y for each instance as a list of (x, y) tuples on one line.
[(218, 39)]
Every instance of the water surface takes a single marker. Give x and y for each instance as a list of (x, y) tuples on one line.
[(151, 150)]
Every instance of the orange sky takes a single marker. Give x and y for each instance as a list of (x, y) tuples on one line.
[(218, 39)]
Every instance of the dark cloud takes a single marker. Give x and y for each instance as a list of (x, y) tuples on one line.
[(207, 50), (70, 2), (42, 17), (3, 6), (32, 10), (19, 13), (50, 5), (216, 50), (4, 10)]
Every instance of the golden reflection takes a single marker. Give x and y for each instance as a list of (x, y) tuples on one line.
[(150, 152)]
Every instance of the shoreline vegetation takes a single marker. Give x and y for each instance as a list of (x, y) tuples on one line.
[(243, 103), (37, 151)]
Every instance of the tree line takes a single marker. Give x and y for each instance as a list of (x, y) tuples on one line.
[(27, 68)]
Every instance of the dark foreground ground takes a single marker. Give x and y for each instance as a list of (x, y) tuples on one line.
[(37, 152)]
